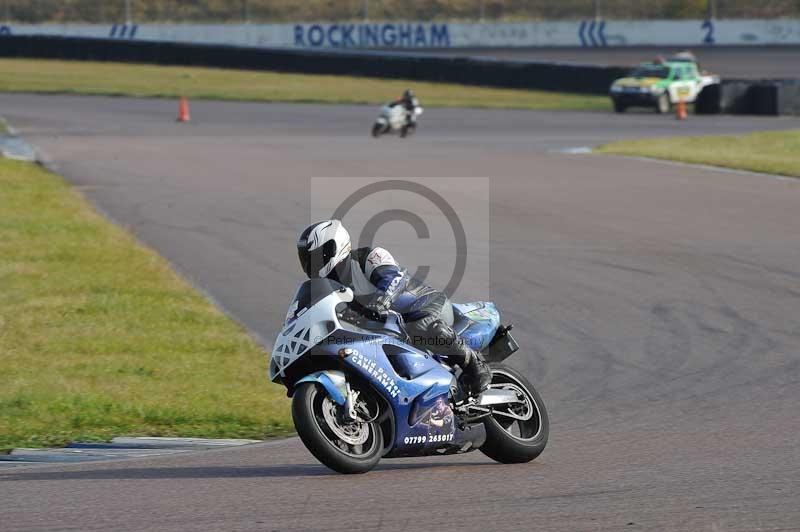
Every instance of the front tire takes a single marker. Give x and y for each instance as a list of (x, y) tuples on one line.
[(510, 440), (663, 104), (407, 130), (377, 129), (344, 447), (619, 107)]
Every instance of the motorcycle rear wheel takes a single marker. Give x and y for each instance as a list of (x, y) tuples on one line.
[(511, 440), (344, 447)]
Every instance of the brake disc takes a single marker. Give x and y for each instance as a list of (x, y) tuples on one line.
[(354, 433)]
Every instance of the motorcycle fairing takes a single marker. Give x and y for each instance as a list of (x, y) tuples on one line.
[(394, 116), (430, 388), (311, 319)]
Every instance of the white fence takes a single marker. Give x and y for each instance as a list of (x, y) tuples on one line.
[(587, 33)]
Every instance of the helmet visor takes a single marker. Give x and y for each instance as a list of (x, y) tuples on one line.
[(314, 260)]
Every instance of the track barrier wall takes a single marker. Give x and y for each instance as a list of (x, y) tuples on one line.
[(470, 71), (771, 97), (588, 33)]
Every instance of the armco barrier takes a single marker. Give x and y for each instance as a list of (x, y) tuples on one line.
[(472, 71)]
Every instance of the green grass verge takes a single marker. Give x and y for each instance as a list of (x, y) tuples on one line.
[(100, 337), (119, 79), (771, 152)]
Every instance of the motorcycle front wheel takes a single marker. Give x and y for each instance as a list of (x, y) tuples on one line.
[(407, 130), (518, 432), (342, 445), (377, 129)]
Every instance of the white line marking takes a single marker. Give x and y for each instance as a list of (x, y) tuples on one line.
[(578, 150)]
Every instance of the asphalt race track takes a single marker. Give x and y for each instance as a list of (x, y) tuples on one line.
[(656, 304), (748, 62)]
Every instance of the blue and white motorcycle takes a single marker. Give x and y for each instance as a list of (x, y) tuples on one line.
[(360, 392)]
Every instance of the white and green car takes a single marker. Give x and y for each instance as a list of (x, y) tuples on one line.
[(660, 85)]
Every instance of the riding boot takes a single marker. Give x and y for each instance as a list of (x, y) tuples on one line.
[(476, 375)]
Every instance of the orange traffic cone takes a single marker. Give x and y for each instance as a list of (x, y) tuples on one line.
[(183, 110), (680, 113)]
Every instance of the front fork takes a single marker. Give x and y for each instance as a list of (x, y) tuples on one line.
[(350, 403)]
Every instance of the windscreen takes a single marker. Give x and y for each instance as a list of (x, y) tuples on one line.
[(650, 71), (309, 294)]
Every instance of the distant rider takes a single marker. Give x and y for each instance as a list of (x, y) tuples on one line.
[(380, 285), (410, 102)]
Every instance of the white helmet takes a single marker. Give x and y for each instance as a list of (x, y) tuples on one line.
[(322, 246)]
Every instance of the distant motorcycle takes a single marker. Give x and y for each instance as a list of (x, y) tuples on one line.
[(360, 392), (395, 119)]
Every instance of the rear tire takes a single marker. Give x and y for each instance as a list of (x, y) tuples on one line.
[(510, 441), (319, 435)]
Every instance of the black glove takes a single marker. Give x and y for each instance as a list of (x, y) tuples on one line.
[(360, 312), (350, 315)]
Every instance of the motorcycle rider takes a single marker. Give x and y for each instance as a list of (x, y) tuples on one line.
[(409, 102), (379, 285)]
